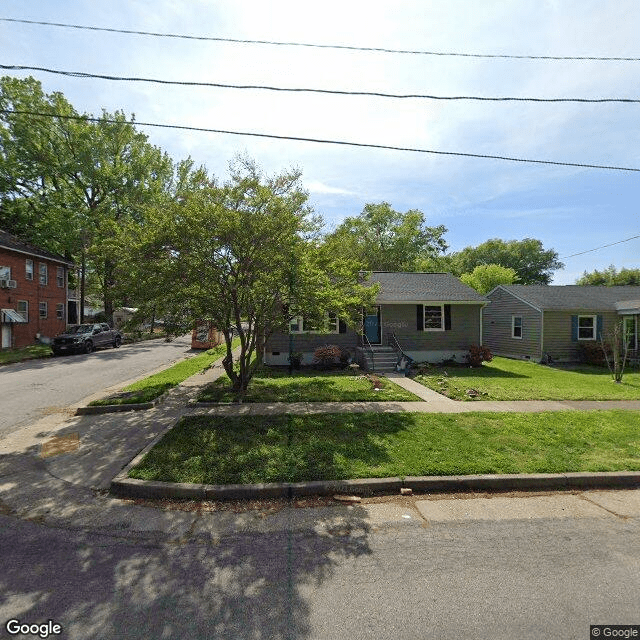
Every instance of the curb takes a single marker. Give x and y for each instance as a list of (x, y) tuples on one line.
[(115, 408), (123, 486)]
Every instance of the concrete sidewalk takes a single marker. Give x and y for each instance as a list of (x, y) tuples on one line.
[(58, 470)]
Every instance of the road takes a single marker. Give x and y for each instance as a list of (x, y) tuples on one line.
[(32, 389), (309, 574)]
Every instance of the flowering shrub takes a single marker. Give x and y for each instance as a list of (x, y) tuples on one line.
[(478, 355), (327, 355)]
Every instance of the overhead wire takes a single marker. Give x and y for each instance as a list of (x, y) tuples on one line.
[(322, 141), (322, 46), (597, 248), (191, 83)]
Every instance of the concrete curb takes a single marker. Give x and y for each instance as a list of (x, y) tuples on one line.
[(116, 408)]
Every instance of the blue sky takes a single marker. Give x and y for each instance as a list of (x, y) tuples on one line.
[(569, 209)]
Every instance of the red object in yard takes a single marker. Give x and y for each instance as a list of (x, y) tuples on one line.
[(205, 335)]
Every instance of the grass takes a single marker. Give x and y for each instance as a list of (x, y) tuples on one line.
[(154, 386), (504, 379), (269, 385), (224, 450), (9, 356)]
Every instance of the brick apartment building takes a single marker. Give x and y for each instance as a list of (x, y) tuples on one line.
[(33, 292)]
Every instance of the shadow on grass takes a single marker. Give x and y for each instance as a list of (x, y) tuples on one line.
[(135, 397), (478, 372), (282, 448)]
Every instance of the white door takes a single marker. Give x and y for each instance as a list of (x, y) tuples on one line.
[(6, 336)]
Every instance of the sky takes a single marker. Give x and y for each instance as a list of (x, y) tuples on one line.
[(570, 209)]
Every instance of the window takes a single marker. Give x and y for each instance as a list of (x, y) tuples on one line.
[(23, 309), (43, 310), (60, 276), (331, 324), (516, 327), (5, 273), (44, 275), (60, 311), (433, 318), (630, 331), (28, 269), (295, 325), (586, 327)]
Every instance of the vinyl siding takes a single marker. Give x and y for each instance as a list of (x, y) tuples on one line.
[(557, 332), (496, 326), (401, 320), (309, 342)]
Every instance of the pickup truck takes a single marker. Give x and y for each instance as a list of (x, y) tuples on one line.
[(86, 338)]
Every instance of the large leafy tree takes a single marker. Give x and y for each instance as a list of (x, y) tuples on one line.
[(486, 277), (383, 239), (244, 255), (66, 181), (532, 263), (610, 277)]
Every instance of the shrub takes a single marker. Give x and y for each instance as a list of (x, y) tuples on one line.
[(478, 355), (592, 353), (326, 356)]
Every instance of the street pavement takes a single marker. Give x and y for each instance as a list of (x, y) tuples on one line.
[(542, 565)]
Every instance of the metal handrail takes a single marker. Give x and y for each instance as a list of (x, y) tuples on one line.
[(373, 360), (397, 347)]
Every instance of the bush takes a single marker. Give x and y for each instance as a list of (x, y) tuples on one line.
[(592, 353), (478, 355), (327, 356)]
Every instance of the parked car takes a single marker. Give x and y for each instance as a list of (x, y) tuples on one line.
[(86, 338)]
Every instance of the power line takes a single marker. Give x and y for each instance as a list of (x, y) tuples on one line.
[(597, 248), (188, 83), (322, 141), (321, 46)]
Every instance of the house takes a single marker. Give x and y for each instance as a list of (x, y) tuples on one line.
[(426, 316), (33, 292), (529, 321)]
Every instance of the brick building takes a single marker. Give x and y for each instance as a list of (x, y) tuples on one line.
[(33, 292)]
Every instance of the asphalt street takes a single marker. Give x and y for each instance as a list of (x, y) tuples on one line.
[(33, 389)]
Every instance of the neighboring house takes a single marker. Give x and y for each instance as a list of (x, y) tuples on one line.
[(122, 315), (529, 321), (33, 292), (427, 316)]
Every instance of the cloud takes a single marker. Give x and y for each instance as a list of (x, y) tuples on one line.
[(315, 186)]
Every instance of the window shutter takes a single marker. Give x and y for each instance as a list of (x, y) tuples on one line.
[(420, 317), (447, 317), (599, 327), (574, 328), (342, 326)]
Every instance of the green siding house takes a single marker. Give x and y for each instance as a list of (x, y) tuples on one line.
[(428, 317), (531, 321)]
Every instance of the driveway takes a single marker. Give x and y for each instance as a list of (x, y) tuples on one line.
[(33, 389)]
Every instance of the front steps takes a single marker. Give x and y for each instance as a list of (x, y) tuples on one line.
[(383, 360)]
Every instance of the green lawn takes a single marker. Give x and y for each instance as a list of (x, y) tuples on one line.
[(504, 379), (9, 356), (154, 386), (224, 450), (269, 385)]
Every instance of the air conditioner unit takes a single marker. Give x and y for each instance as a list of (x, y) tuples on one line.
[(4, 284), (12, 284)]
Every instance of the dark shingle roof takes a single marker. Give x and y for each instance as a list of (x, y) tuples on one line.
[(417, 287), (9, 241), (571, 296)]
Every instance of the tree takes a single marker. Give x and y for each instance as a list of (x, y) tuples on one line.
[(67, 182), (531, 262), (386, 240), (610, 277), (486, 277), (243, 255)]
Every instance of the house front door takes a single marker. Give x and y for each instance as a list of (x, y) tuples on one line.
[(6, 336), (372, 325)]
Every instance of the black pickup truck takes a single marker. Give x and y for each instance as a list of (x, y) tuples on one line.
[(86, 338)]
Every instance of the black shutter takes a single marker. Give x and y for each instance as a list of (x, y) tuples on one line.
[(447, 317), (574, 328), (342, 326), (420, 317)]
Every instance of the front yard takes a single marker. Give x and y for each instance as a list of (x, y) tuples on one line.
[(504, 379), (222, 450), (274, 385), (10, 356)]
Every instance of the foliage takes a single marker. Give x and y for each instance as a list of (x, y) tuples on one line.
[(615, 348), (593, 353), (610, 277), (505, 379), (382, 239), (327, 355), (34, 351), (478, 355), (531, 262), (288, 448), (242, 254), (486, 277)]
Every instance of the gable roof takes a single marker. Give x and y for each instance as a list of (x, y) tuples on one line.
[(13, 243), (571, 296), (416, 287)]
